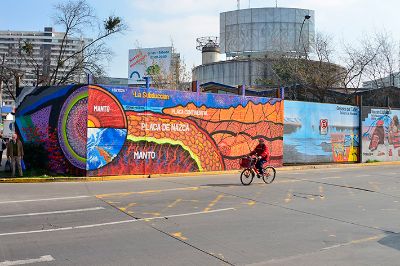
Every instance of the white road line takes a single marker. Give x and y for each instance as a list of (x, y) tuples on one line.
[(46, 258), (111, 223), (53, 212), (48, 199), (188, 214)]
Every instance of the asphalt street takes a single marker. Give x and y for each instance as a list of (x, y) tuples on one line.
[(333, 216)]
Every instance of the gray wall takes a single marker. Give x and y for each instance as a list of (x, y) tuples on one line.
[(265, 29), (234, 72)]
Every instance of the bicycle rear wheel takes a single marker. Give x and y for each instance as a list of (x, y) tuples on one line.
[(269, 174), (246, 177)]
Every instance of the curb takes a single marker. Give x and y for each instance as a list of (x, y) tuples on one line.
[(131, 177)]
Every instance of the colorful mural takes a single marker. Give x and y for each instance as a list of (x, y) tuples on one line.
[(161, 131), (316, 132), (380, 134), (55, 117), (94, 130)]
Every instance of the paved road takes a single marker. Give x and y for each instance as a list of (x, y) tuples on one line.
[(344, 216)]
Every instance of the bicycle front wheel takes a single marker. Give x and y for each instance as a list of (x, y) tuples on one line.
[(246, 177), (269, 174)]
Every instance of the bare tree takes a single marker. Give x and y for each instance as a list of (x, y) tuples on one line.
[(318, 76), (74, 17), (356, 62), (385, 65), (313, 75)]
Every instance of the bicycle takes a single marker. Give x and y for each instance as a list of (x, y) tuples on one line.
[(250, 170)]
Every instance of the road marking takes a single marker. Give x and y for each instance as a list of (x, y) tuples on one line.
[(212, 203), (153, 213), (121, 194), (190, 213), (368, 239), (54, 212), (179, 235), (174, 203), (48, 199), (250, 203), (125, 208), (281, 261), (46, 258), (112, 223)]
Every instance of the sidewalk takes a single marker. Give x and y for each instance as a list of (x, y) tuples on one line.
[(129, 177)]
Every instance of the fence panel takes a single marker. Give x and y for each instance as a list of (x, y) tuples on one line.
[(320, 133), (381, 134)]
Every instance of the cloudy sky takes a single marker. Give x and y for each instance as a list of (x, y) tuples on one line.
[(155, 23)]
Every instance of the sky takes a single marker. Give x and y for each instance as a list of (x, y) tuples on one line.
[(158, 23)]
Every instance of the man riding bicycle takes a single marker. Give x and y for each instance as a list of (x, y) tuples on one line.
[(262, 153)]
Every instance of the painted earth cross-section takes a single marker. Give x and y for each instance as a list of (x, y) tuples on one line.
[(148, 131), (94, 130)]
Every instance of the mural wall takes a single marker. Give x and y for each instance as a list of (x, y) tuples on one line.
[(316, 132), (140, 131), (55, 117), (381, 134), (94, 130)]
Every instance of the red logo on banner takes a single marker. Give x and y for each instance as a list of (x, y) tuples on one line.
[(323, 126)]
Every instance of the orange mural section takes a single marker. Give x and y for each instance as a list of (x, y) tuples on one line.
[(185, 133), (236, 130)]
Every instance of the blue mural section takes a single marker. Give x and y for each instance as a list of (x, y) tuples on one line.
[(103, 145), (155, 100), (315, 132)]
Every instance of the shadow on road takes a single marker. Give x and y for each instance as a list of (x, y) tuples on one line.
[(392, 241)]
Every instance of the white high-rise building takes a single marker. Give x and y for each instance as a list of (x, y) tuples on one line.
[(46, 48)]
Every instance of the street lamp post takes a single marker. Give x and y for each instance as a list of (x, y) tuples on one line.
[(306, 17)]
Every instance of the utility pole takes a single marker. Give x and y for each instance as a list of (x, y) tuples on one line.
[(238, 4)]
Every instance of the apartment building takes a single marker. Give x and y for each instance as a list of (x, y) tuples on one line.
[(46, 49)]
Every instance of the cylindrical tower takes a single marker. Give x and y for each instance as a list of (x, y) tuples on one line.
[(266, 30), (209, 47)]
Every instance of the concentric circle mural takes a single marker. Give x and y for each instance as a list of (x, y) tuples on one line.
[(72, 134), (107, 128)]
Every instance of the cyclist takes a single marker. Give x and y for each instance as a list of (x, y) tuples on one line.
[(262, 153)]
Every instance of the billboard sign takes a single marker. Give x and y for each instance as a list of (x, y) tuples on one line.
[(144, 61)]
